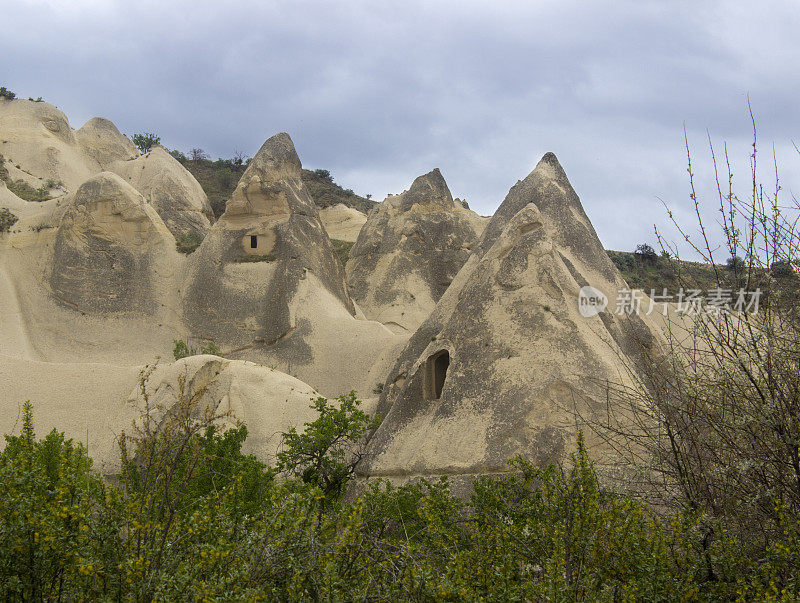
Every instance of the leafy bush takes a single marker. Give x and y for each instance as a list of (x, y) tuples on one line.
[(326, 193), (45, 513), (182, 350), (218, 206), (145, 141), (342, 249), (7, 219), (211, 348), (25, 191), (188, 243), (6, 93)]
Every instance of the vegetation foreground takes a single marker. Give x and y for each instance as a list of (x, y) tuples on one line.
[(193, 518)]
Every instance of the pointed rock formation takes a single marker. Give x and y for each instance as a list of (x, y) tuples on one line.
[(108, 249), (506, 358), (170, 189), (248, 269), (409, 251), (101, 141)]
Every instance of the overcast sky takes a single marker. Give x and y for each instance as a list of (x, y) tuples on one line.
[(381, 92)]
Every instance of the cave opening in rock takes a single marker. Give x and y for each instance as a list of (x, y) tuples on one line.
[(253, 241), (436, 371)]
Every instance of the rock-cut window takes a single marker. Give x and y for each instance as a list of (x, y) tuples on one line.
[(435, 374), (253, 241)]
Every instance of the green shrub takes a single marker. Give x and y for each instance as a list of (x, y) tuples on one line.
[(182, 350), (26, 192), (342, 249), (192, 517), (326, 193), (7, 219), (187, 243), (218, 206), (6, 93), (212, 349), (226, 178)]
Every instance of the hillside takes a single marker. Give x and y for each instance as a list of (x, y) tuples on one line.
[(659, 273), (219, 178), (326, 193)]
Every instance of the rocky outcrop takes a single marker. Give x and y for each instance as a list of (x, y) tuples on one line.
[(244, 276), (171, 190), (506, 364), (108, 249), (100, 140), (409, 251), (38, 138), (342, 223), (43, 151), (267, 401)]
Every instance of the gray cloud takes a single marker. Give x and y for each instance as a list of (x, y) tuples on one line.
[(381, 92)]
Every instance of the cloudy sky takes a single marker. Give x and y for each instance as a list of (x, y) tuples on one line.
[(380, 92)]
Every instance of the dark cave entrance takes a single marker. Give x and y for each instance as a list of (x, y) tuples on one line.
[(435, 373), (253, 241)]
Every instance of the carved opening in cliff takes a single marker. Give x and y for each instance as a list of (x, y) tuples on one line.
[(435, 373), (253, 242)]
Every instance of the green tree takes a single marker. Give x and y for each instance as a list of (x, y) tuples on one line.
[(145, 141), (327, 452), (646, 253)]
